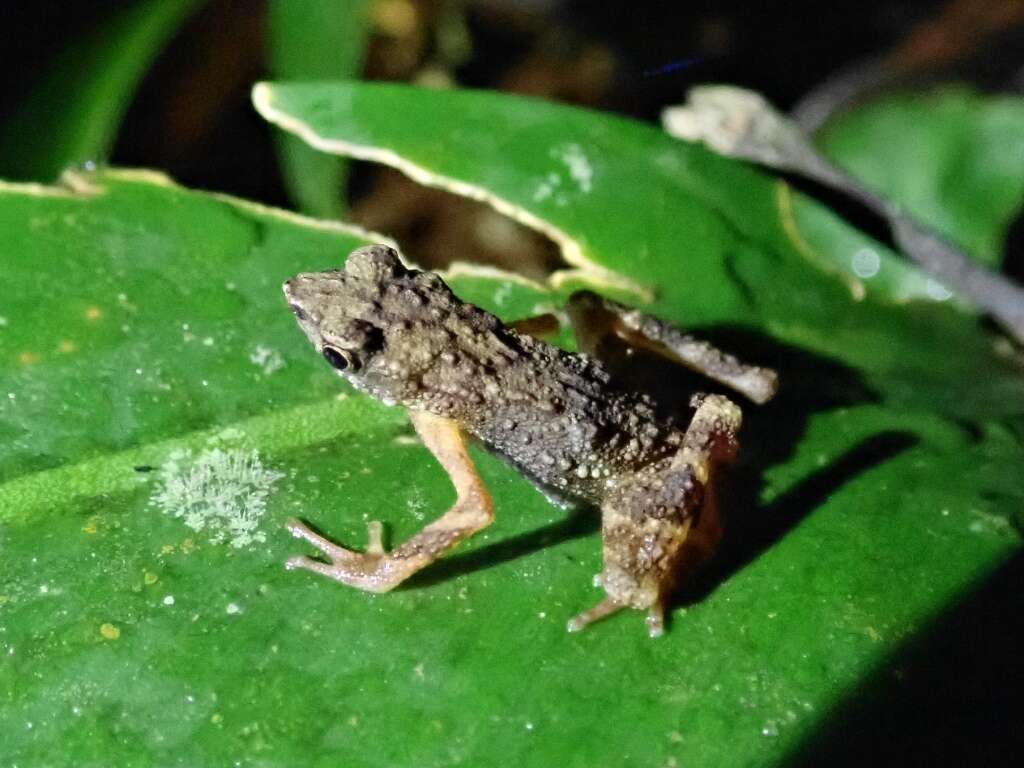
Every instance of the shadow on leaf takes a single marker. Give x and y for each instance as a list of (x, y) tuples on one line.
[(948, 698)]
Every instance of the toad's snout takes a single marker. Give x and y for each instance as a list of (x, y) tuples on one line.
[(289, 289), (291, 295)]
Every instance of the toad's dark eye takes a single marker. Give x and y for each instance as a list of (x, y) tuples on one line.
[(340, 359)]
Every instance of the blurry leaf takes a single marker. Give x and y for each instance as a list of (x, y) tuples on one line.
[(315, 40), (954, 158), (877, 486), (73, 114), (740, 123)]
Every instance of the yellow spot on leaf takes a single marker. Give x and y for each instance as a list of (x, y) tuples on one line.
[(66, 346), (28, 358), (216, 718), (109, 631), (150, 577), (4, 599), (166, 549), (91, 526), (93, 313), (187, 546), (874, 634)]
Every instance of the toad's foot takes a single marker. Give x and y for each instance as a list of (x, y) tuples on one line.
[(662, 521), (655, 616), (604, 608), (372, 571), (378, 571)]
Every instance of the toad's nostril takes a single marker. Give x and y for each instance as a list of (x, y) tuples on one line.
[(299, 312)]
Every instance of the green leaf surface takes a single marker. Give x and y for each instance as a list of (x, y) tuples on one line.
[(878, 486), (954, 158), (315, 40), (72, 115)]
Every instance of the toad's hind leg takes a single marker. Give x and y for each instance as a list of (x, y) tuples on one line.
[(378, 571), (662, 522), (594, 318)]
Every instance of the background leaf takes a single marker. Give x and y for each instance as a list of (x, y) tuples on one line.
[(315, 40), (953, 157), (853, 522), (73, 114)]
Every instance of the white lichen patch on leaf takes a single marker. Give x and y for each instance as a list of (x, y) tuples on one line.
[(546, 188), (579, 166), (580, 171), (269, 360), (222, 492)]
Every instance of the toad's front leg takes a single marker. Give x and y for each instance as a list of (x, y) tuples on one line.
[(378, 571), (662, 521)]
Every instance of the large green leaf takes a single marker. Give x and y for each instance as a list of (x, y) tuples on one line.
[(875, 490), (315, 40), (73, 114)]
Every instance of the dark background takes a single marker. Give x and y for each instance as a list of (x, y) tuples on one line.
[(192, 117)]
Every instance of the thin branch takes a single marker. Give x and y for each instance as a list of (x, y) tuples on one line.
[(742, 124)]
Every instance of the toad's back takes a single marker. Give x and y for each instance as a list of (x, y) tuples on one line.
[(560, 417)]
